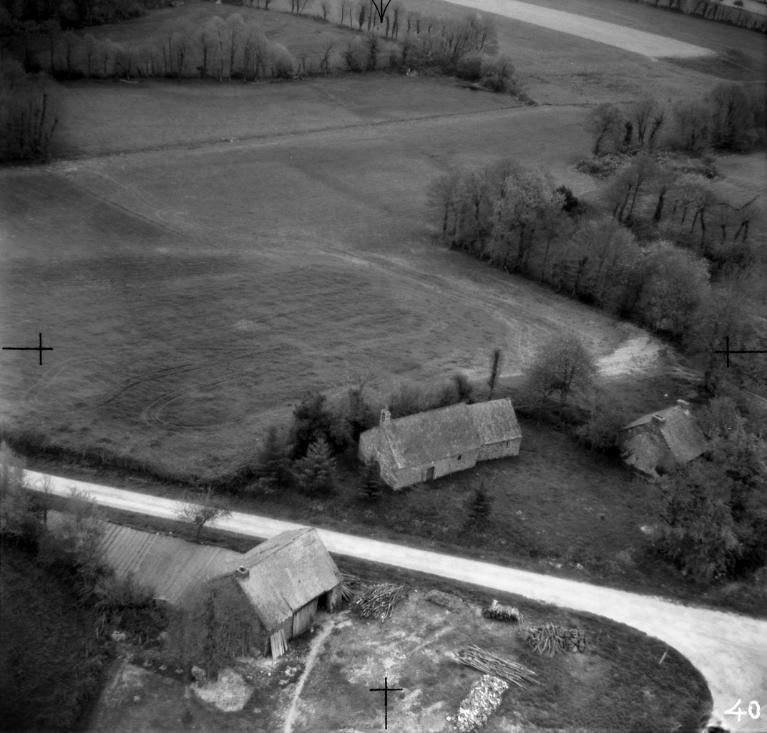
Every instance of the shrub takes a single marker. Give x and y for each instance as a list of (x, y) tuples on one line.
[(498, 75), (315, 472), (272, 463), (470, 68), (600, 431), (371, 484), (283, 64)]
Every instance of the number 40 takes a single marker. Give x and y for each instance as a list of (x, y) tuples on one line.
[(754, 710)]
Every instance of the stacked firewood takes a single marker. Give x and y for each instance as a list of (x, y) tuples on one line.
[(377, 601), (482, 701), (500, 612), (489, 663), (550, 639)]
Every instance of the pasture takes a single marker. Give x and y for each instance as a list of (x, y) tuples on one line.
[(196, 271)]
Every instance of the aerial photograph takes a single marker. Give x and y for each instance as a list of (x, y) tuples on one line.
[(383, 365)]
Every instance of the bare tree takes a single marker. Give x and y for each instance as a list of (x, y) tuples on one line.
[(606, 123), (202, 514)]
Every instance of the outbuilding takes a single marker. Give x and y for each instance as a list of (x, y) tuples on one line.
[(660, 441)]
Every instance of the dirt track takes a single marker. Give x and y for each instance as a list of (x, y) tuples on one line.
[(646, 44), (729, 650)]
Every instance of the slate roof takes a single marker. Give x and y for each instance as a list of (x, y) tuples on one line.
[(679, 429), (285, 573), (495, 421), (429, 436)]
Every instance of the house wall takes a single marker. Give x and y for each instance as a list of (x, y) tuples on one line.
[(501, 449), (399, 478)]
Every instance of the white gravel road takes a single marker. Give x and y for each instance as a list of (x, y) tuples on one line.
[(646, 44), (730, 650)]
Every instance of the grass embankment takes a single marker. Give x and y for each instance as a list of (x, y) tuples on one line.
[(51, 666)]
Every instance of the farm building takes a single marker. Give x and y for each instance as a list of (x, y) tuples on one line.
[(431, 444), (260, 599), (660, 441), (285, 580)]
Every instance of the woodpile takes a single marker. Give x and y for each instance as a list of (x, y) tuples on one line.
[(489, 663), (499, 612), (379, 600), (550, 639), (482, 701), (350, 585)]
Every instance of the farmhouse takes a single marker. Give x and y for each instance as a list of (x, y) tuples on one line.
[(431, 444), (660, 441)]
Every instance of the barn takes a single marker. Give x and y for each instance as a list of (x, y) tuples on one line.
[(431, 444), (660, 441), (285, 580), (259, 600)]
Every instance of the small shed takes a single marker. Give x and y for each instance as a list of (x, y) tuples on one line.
[(431, 444), (285, 580), (660, 441)]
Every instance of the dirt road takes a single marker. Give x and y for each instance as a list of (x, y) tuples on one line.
[(646, 44), (730, 650)]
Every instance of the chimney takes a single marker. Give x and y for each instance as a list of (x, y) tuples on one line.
[(658, 419), (242, 572), (385, 416)]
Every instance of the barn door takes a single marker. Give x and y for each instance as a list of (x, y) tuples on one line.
[(302, 619)]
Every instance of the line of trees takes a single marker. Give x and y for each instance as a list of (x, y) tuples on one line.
[(27, 114), (730, 117)]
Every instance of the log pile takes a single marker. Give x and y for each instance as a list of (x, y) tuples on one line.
[(550, 639), (379, 600), (482, 701), (500, 612), (489, 663)]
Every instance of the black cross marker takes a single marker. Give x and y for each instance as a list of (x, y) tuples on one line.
[(727, 351), (386, 690), (39, 348)]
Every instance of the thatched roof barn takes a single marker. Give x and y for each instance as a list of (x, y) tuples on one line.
[(229, 603), (660, 441), (431, 444)]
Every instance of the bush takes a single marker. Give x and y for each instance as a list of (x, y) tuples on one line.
[(283, 64), (312, 420), (315, 472), (27, 115), (371, 485), (498, 75), (470, 68), (600, 431), (272, 462)]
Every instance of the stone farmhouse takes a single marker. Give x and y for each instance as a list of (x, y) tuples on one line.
[(660, 441), (431, 444)]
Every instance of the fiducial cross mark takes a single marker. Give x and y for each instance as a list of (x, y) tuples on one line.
[(381, 7), (727, 351), (39, 348), (386, 690)]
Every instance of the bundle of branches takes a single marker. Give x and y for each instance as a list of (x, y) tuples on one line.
[(350, 584), (379, 600), (489, 663), (482, 701), (550, 639), (500, 612)]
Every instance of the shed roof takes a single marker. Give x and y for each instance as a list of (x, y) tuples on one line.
[(495, 421), (429, 436), (285, 573), (167, 565), (679, 429)]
